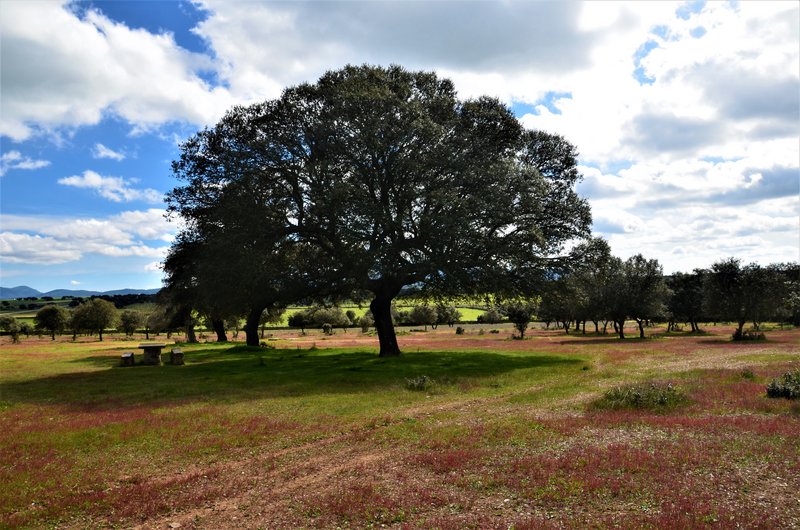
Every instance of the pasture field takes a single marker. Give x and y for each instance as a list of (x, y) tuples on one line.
[(317, 431)]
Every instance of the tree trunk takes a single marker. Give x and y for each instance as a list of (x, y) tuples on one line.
[(53, 335), (219, 328), (620, 325), (381, 307), (191, 338), (641, 328), (584, 327), (596, 327), (251, 326), (100, 333)]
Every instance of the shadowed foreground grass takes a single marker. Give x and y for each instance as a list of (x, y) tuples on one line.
[(505, 435)]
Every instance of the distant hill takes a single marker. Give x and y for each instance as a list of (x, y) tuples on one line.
[(23, 291)]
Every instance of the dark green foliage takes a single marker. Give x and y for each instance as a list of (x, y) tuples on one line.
[(786, 386), (130, 320), (94, 316), (379, 178), (10, 325), (655, 396), (459, 330), (52, 318), (520, 313), (491, 316)]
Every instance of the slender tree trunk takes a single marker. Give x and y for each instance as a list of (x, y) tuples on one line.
[(100, 334), (381, 307), (219, 328), (52, 335), (596, 327), (191, 338), (251, 326), (741, 327), (620, 325), (584, 327), (641, 327)]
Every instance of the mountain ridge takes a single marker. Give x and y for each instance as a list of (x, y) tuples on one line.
[(23, 291)]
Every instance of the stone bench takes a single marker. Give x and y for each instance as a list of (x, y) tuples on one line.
[(176, 356), (126, 359)]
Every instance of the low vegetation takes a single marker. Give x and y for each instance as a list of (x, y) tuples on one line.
[(786, 386), (472, 430)]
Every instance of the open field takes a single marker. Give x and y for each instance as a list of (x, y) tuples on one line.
[(320, 432)]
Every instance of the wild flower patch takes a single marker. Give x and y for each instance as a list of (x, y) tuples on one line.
[(656, 396)]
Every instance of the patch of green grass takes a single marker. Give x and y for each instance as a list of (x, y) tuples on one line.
[(656, 396)]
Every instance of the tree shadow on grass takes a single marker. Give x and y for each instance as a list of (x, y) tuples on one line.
[(238, 374)]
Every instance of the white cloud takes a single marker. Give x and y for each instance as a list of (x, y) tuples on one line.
[(15, 160), (74, 282), (62, 70), (52, 240), (153, 266), (114, 189), (101, 151), (35, 249)]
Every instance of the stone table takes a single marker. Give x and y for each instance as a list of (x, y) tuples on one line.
[(152, 353)]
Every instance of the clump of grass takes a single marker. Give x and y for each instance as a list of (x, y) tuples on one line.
[(787, 386), (421, 383), (748, 374), (649, 396)]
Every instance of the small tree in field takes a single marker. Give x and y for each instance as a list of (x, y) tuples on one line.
[(129, 321), (52, 318), (94, 316), (520, 314), (10, 325), (423, 314)]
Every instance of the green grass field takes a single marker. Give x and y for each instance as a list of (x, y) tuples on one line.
[(469, 431)]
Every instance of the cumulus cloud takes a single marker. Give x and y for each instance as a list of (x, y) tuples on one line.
[(52, 240), (35, 249), (15, 160), (62, 69), (114, 189), (101, 151)]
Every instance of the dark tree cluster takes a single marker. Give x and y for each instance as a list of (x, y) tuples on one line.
[(357, 186)]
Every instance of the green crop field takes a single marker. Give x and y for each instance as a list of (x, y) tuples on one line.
[(463, 431)]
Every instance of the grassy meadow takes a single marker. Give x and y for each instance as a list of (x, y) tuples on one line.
[(463, 431)]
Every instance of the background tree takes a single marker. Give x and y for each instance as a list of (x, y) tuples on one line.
[(685, 304), (520, 313), (645, 290), (490, 316), (447, 314), (423, 314), (740, 293), (95, 316), (52, 318), (392, 180), (271, 315), (129, 321), (10, 325)]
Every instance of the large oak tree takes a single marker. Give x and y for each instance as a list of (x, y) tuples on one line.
[(378, 178)]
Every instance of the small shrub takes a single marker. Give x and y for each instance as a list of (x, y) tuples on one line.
[(787, 386), (748, 374), (459, 330), (748, 335), (650, 396), (420, 383), (495, 331)]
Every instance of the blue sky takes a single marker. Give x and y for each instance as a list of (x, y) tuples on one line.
[(686, 115)]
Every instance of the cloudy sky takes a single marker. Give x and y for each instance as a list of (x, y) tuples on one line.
[(686, 115)]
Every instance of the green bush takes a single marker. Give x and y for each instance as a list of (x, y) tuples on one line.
[(459, 330), (420, 383), (650, 396), (748, 335), (786, 386)]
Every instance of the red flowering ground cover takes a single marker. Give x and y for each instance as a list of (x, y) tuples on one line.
[(318, 432)]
